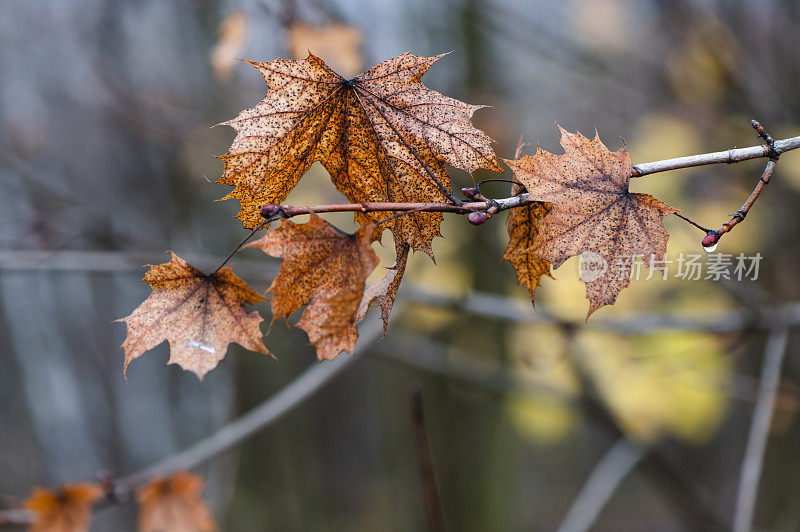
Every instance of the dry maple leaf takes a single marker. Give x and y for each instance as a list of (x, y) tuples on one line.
[(66, 510), (174, 504), (198, 314), (523, 229), (327, 269), (593, 211), (385, 290), (382, 136)]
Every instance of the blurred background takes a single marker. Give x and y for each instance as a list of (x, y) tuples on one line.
[(107, 160)]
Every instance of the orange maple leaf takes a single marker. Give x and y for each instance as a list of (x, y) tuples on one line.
[(523, 230), (593, 211), (198, 314), (382, 136), (326, 268), (66, 510), (174, 503)]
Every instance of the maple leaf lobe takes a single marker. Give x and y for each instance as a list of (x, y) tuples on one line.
[(198, 314), (382, 136), (592, 209), (523, 229), (325, 269)]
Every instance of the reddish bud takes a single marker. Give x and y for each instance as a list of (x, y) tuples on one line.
[(469, 192), (709, 240), (268, 211), (477, 218)]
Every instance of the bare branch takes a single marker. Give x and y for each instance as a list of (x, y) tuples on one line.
[(759, 429), (289, 397), (433, 507), (603, 481), (735, 155)]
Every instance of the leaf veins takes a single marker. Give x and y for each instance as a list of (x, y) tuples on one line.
[(326, 269), (198, 314), (382, 136), (592, 210)]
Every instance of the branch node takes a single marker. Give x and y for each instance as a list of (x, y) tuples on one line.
[(772, 153)]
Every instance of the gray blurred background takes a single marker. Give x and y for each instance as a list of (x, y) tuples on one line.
[(107, 160)]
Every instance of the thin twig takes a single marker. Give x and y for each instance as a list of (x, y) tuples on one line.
[(721, 157), (289, 397), (739, 215), (433, 507), (603, 481), (239, 246), (692, 222), (482, 304), (753, 460)]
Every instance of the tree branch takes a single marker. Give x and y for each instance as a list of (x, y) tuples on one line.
[(759, 429), (772, 150), (288, 398), (603, 481), (735, 155)]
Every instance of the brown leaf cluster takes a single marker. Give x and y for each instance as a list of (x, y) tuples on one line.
[(65, 510), (591, 210), (382, 136), (198, 314), (174, 504), (326, 269)]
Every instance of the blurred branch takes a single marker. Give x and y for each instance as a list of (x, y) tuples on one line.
[(759, 429), (495, 306), (433, 506), (119, 262), (670, 477), (288, 398), (603, 481), (483, 304)]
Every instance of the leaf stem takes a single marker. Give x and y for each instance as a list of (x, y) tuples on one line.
[(239, 246)]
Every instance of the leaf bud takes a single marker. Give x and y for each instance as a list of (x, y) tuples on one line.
[(477, 217), (469, 192), (269, 211)]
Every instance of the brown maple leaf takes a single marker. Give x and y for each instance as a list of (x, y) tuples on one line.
[(198, 314), (174, 504), (385, 290), (66, 510), (325, 268), (523, 230), (382, 136), (593, 212)]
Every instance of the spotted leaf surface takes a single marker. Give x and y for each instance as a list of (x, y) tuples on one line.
[(382, 136), (326, 269), (593, 213), (523, 230), (198, 314)]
